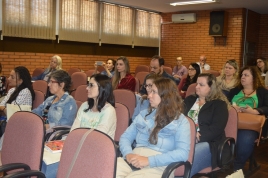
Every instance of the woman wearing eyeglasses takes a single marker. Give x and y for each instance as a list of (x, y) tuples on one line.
[(59, 109), (98, 112), (55, 64), (142, 101), (229, 76), (262, 65), (193, 72)]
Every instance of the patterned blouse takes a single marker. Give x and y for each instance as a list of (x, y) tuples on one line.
[(24, 97), (2, 85), (193, 113)]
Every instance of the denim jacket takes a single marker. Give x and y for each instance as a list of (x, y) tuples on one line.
[(62, 112), (173, 140)]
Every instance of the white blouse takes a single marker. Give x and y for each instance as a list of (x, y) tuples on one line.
[(24, 97)]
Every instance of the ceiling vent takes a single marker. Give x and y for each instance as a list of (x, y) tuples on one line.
[(184, 18)]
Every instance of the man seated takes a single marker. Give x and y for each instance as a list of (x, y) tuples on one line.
[(202, 63)]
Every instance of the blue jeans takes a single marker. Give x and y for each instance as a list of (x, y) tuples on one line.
[(244, 147), (202, 158)]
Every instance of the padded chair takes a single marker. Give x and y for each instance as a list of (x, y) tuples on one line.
[(78, 103), (141, 76), (100, 69), (73, 70), (181, 84), (78, 78), (122, 115), (39, 98), (37, 72), (141, 68), (168, 70), (40, 85), (231, 134), (190, 90), (213, 72), (86, 155), (127, 98), (137, 86), (90, 72), (81, 93), (23, 142), (183, 168)]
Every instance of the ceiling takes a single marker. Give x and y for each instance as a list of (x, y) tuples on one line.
[(259, 6)]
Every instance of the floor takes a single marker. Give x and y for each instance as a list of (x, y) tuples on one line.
[(261, 155)]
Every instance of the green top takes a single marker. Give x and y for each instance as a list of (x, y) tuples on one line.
[(242, 101)]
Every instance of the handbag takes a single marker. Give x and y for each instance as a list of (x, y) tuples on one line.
[(237, 174), (251, 122), (12, 108)]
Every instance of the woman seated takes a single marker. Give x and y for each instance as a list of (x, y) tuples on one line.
[(108, 66), (142, 101), (59, 109), (262, 65), (162, 134), (209, 110), (193, 72), (22, 92), (2, 83), (55, 64), (229, 76), (250, 96), (122, 78), (98, 112)]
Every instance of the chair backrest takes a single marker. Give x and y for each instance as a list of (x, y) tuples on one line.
[(39, 98), (127, 98), (232, 124), (90, 72), (78, 78), (180, 171), (81, 93), (122, 115), (142, 68), (24, 139), (141, 76), (213, 72), (100, 69), (137, 86), (40, 85), (181, 84), (73, 70), (37, 72), (96, 158), (190, 90), (168, 70)]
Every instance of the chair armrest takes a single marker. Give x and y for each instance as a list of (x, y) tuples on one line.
[(172, 166), (13, 166), (220, 150), (26, 173), (56, 128), (58, 134)]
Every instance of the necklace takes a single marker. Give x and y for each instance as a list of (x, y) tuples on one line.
[(248, 94)]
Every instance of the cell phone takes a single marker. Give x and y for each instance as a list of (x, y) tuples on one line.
[(99, 63)]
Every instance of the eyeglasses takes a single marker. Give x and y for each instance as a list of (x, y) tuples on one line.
[(259, 61), (90, 85), (51, 81), (149, 86), (191, 69)]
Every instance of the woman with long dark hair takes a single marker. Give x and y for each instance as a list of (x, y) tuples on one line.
[(22, 92), (98, 112)]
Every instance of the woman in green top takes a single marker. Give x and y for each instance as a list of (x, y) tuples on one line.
[(250, 96)]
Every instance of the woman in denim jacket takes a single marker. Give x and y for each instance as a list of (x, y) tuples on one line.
[(59, 109), (55, 64), (162, 134)]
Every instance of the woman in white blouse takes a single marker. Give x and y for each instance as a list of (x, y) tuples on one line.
[(98, 112), (22, 92)]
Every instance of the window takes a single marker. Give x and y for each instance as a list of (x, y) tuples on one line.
[(28, 18), (79, 21), (116, 24)]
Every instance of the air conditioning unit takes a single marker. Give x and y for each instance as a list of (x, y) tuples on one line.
[(184, 18)]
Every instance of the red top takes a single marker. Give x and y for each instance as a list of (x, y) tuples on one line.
[(128, 82)]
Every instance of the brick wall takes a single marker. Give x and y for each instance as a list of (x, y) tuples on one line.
[(191, 40), (263, 37), (34, 60)]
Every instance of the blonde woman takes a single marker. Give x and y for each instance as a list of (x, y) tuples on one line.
[(55, 64), (122, 78), (228, 78)]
